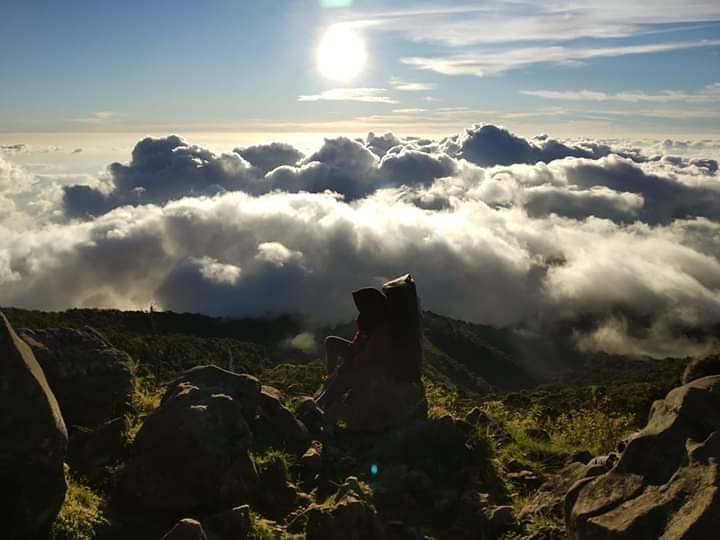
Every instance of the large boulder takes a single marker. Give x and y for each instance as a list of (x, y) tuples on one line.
[(92, 380), (666, 483), (276, 426), (192, 452), (383, 402), (33, 442)]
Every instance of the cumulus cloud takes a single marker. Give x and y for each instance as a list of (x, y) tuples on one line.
[(492, 145), (497, 228)]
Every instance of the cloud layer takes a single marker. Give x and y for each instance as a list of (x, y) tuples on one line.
[(497, 229)]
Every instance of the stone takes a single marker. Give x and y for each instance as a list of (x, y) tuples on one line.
[(276, 426), (33, 442), (312, 460), (538, 434), (383, 403), (549, 498), (665, 483), (192, 451), (186, 529), (478, 417), (92, 380), (91, 450), (230, 525), (501, 518), (348, 515), (308, 412)]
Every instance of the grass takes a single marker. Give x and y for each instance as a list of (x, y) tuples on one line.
[(81, 516), (594, 430), (276, 461), (145, 399)]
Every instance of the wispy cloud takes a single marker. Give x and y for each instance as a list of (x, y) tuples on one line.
[(367, 95), (100, 117), (408, 86), (463, 23), (708, 94), (493, 61)]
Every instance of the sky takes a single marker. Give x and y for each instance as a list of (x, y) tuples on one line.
[(575, 68), (544, 165)]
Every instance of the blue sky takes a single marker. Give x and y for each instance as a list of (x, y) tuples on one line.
[(575, 68)]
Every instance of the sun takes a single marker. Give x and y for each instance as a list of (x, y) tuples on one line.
[(341, 54)]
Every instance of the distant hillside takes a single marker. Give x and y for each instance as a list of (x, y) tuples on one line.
[(468, 360)]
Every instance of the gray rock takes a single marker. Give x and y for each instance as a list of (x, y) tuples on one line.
[(33, 442), (665, 483), (230, 525), (276, 426), (92, 380), (91, 450), (186, 529), (550, 496), (193, 450), (348, 515)]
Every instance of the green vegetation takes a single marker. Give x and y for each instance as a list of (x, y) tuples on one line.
[(81, 516)]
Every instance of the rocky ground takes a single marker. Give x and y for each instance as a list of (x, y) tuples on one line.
[(93, 448)]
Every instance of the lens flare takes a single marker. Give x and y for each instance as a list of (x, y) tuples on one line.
[(341, 54)]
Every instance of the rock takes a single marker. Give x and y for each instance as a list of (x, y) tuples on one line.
[(312, 460), (307, 411), (276, 426), (384, 403), (192, 451), (538, 434), (526, 480), (665, 484), (90, 450), (230, 525), (91, 379), (186, 529), (347, 515), (501, 518), (478, 417), (550, 496), (702, 367), (581, 456), (33, 442)]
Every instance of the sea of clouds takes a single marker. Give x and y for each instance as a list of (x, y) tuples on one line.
[(496, 228)]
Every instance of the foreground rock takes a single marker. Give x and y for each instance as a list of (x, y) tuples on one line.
[(33, 442), (665, 484), (192, 452), (92, 380), (348, 515), (276, 426)]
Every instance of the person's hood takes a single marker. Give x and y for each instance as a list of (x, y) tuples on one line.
[(370, 302)]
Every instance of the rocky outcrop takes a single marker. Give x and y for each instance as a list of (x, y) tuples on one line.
[(348, 515), (192, 452), (549, 499), (276, 426), (384, 403), (33, 442), (186, 529), (92, 380), (666, 483)]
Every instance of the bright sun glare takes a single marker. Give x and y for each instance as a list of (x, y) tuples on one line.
[(341, 53)]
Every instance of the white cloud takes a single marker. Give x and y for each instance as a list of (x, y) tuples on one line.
[(493, 61), (711, 93), (407, 86), (366, 95), (497, 229), (100, 117)]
